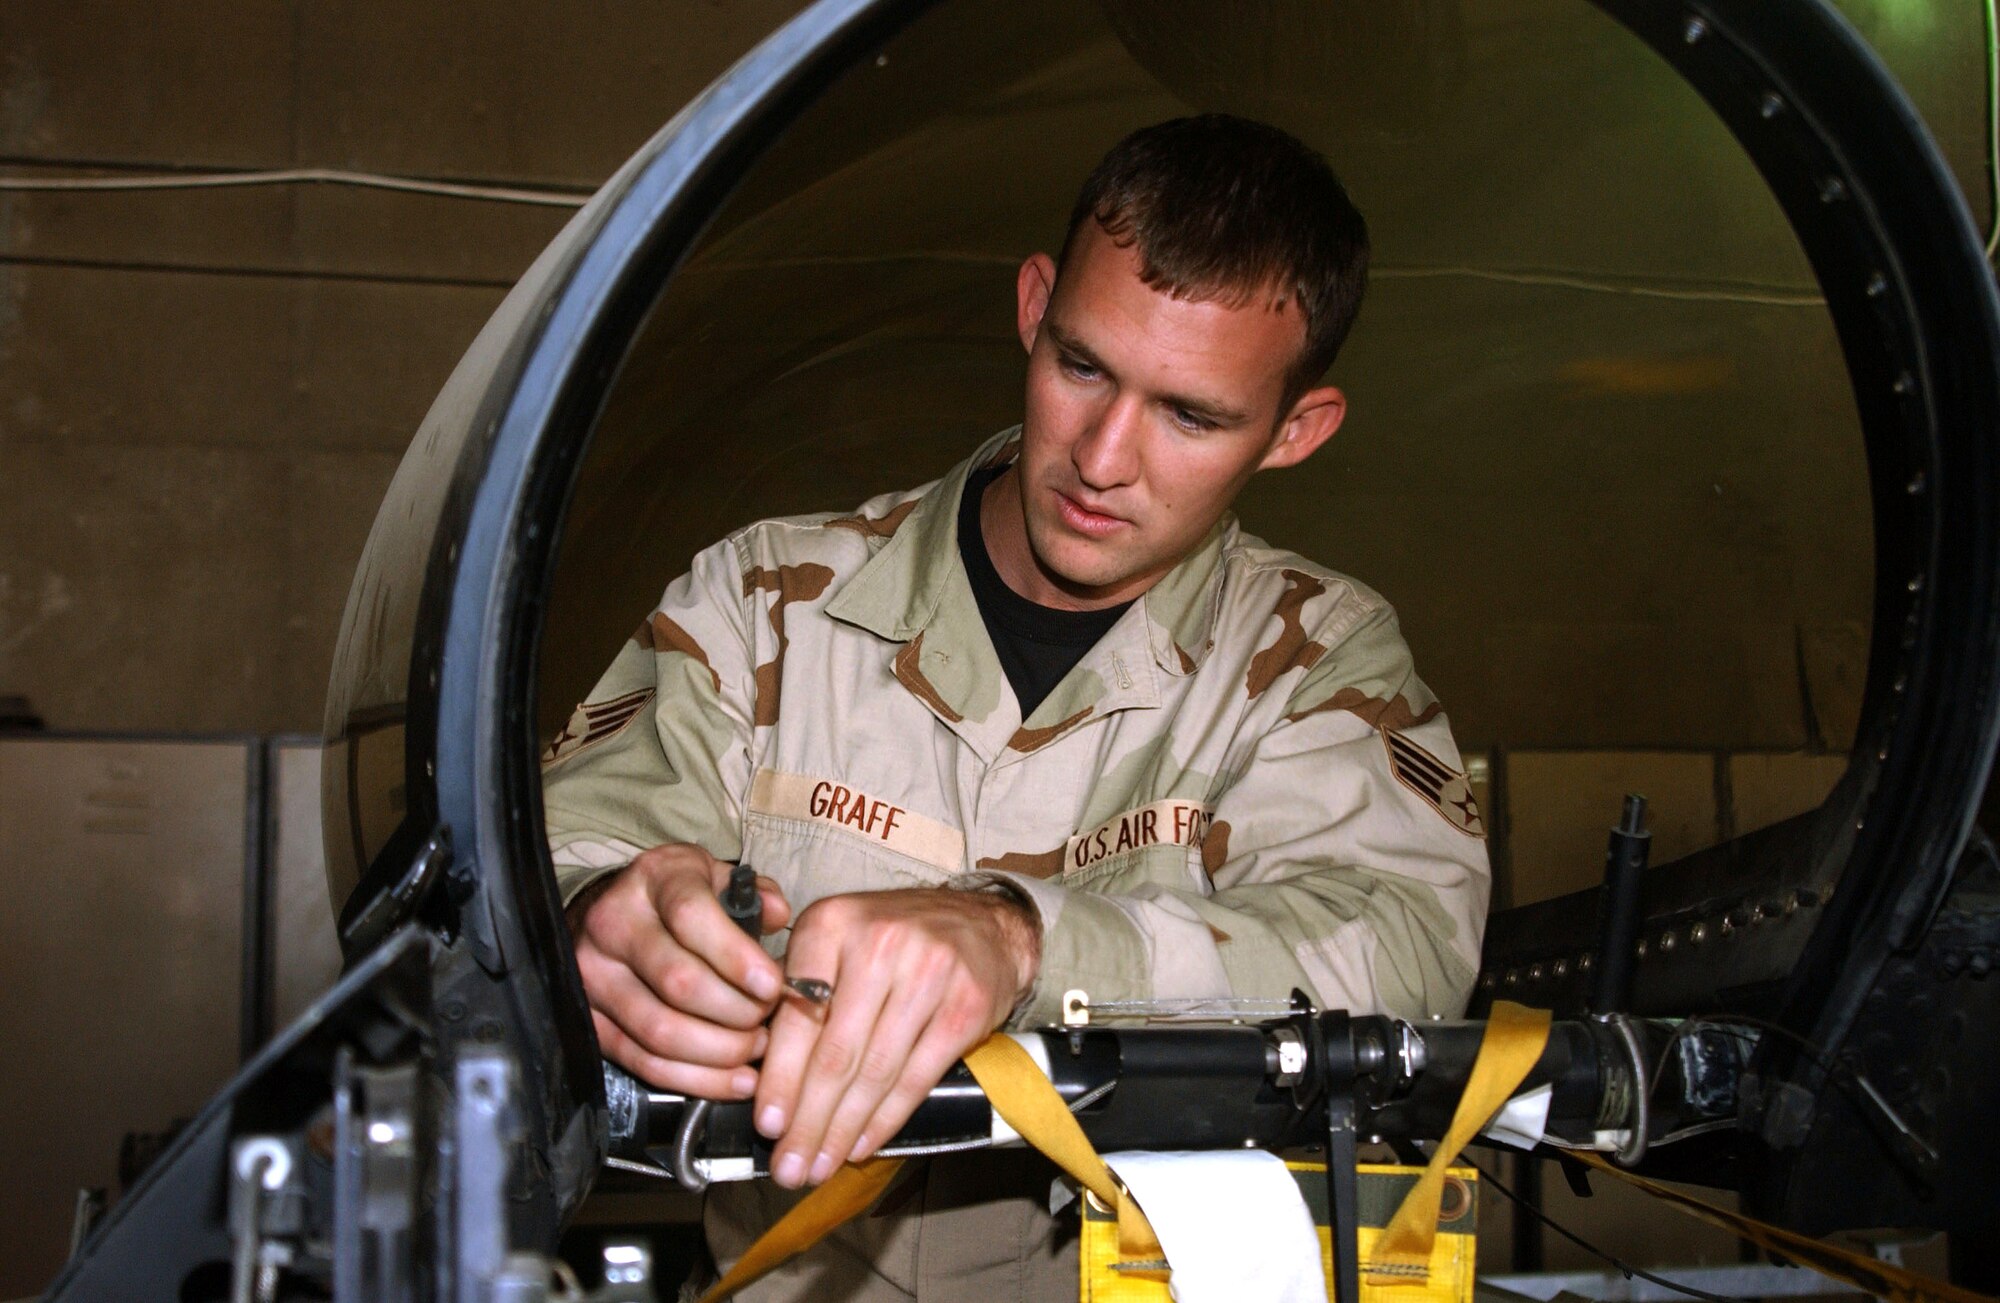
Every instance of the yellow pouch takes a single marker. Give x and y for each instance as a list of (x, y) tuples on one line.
[(1382, 1189)]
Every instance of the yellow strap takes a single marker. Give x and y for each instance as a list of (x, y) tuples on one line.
[(1869, 1275), (1512, 1045), (1020, 1092), (843, 1195)]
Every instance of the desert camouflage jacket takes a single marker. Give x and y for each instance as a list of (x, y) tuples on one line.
[(1243, 788)]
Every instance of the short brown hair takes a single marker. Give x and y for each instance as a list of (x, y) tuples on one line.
[(1223, 208)]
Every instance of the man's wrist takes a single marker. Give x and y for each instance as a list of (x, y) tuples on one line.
[(1021, 927)]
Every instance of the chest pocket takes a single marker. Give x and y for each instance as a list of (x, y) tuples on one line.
[(818, 837)]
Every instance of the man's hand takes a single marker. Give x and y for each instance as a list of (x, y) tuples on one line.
[(678, 993), (919, 977)]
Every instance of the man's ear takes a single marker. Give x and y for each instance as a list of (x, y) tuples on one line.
[(1033, 288), (1310, 423)]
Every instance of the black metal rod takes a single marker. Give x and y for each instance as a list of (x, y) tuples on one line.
[(1624, 863), (259, 976)]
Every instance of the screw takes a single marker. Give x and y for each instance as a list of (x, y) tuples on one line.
[(1878, 285), (1832, 190), (1770, 106), (1697, 934), (1694, 31)]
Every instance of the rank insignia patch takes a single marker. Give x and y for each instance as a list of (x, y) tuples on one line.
[(593, 722), (1438, 783)]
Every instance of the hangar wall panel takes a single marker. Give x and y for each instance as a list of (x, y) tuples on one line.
[(124, 864)]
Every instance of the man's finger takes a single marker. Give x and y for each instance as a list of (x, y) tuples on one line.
[(683, 981), (842, 1051), (929, 1060), (667, 1032), (777, 910), (885, 1064), (669, 1074), (695, 919)]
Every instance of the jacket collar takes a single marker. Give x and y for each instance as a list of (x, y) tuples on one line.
[(915, 591)]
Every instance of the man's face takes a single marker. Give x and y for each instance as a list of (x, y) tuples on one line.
[(1145, 416)]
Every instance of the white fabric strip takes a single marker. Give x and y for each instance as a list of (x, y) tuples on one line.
[(1232, 1224)]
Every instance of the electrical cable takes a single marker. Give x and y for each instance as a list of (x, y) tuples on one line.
[(298, 175), (1755, 295), (1626, 1268)]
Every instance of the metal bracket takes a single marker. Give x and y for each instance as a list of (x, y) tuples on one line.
[(376, 1179), (395, 906)]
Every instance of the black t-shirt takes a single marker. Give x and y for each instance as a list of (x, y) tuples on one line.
[(1036, 644)]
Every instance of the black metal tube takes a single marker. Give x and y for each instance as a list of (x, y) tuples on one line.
[(1624, 862)]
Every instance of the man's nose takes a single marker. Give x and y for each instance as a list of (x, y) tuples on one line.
[(1107, 453)]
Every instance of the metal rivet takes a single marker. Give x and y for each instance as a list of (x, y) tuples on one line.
[(1770, 106), (1694, 31), (1534, 972), (1640, 949), (430, 767), (1698, 934), (1486, 981), (1917, 584), (1901, 685), (1832, 190), (1667, 943), (1905, 383), (1859, 824), (1584, 962), (1882, 754), (1916, 484), (1562, 968), (1878, 285), (1511, 978)]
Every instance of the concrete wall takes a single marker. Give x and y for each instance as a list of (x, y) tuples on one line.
[(204, 393)]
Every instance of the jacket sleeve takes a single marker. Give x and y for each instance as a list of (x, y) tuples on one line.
[(659, 751), (1346, 858)]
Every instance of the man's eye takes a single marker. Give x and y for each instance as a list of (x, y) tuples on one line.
[(1188, 420), (1078, 370)]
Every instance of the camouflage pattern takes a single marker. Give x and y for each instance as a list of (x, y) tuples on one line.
[(1243, 788)]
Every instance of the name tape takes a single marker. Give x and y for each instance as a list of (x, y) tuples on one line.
[(819, 800), (1169, 822)]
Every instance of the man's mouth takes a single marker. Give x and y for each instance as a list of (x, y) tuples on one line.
[(1083, 520)]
